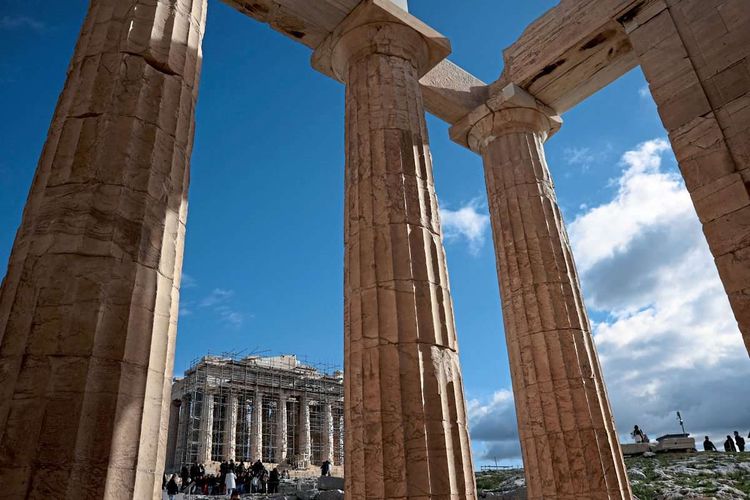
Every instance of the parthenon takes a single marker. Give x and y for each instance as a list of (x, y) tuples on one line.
[(89, 304), (276, 409)]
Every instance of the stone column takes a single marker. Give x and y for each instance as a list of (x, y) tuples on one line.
[(173, 433), (570, 447), (406, 428), (305, 441), (281, 434), (694, 55), (327, 432), (206, 433), (88, 307), (256, 427), (230, 434), (182, 430)]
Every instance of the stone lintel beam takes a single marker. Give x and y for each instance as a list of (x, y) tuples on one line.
[(449, 91), (494, 110), (572, 51)]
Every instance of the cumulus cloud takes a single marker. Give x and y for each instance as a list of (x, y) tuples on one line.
[(669, 341), (467, 223), (666, 335)]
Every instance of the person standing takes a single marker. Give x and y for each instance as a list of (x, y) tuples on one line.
[(172, 487), (708, 445), (273, 481), (740, 441), (729, 445), (230, 481)]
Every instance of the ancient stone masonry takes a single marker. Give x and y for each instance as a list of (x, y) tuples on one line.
[(570, 447), (406, 428), (271, 408), (88, 308)]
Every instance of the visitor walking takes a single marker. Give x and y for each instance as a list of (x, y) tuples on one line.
[(172, 487), (638, 435), (729, 444), (708, 445), (740, 442), (273, 481)]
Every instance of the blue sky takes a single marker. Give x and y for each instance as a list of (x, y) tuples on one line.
[(264, 248)]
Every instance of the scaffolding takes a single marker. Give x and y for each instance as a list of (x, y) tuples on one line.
[(245, 408)]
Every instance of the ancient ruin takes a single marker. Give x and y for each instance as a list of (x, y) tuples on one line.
[(88, 311), (276, 409)]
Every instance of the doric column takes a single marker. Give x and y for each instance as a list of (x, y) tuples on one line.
[(406, 429), (281, 433), (205, 435), (230, 433), (570, 447), (173, 433), (694, 55), (327, 432), (256, 427), (88, 307), (305, 442), (179, 455)]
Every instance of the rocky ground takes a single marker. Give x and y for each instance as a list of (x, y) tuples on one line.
[(661, 477)]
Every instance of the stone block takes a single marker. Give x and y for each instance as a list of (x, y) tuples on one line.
[(331, 495), (330, 483), (308, 494)]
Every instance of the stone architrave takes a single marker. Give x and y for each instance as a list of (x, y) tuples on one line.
[(230, 433), (694, 55), (406, 429), (88, 307), (570, 447), (256, 427), (327, 432), (281, 431), (305, 441), (206, 431)]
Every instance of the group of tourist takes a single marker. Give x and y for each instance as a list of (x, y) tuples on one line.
[(736, 444), (232, 479)]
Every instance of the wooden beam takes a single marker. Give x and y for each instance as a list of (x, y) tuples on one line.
[(449, 92), (570, 52)]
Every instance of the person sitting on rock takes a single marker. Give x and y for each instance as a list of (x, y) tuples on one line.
[(740, 442), (729, 444), (708, 445)]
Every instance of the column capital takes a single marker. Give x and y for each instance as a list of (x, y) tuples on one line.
[(380, 26), (510, 110)]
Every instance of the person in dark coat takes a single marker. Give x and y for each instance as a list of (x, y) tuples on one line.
[(273, 481), (740, 442), (172, 488), (729, 444), (708, 445), (325, 468)]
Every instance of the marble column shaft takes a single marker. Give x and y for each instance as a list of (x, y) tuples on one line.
[(173, 433), (206, 431), (256, 427), (305, 441), (570, 447), (281, 431), (88, 307), (327, 432), (406, 427), (230, 433), (179, 455)]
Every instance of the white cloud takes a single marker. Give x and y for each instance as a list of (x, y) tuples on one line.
[(217, 296), (187, 281), (466, 223), (14, 22), (644, 92), (666, 336), (219, 301)]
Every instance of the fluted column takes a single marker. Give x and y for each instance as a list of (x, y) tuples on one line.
[(256, 427), (281, 435), (305, 442), (327, 432), (173, 433), (570, 447), (406, 429), (88, 307), (179, 455), (230, 433), (206, 431)]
